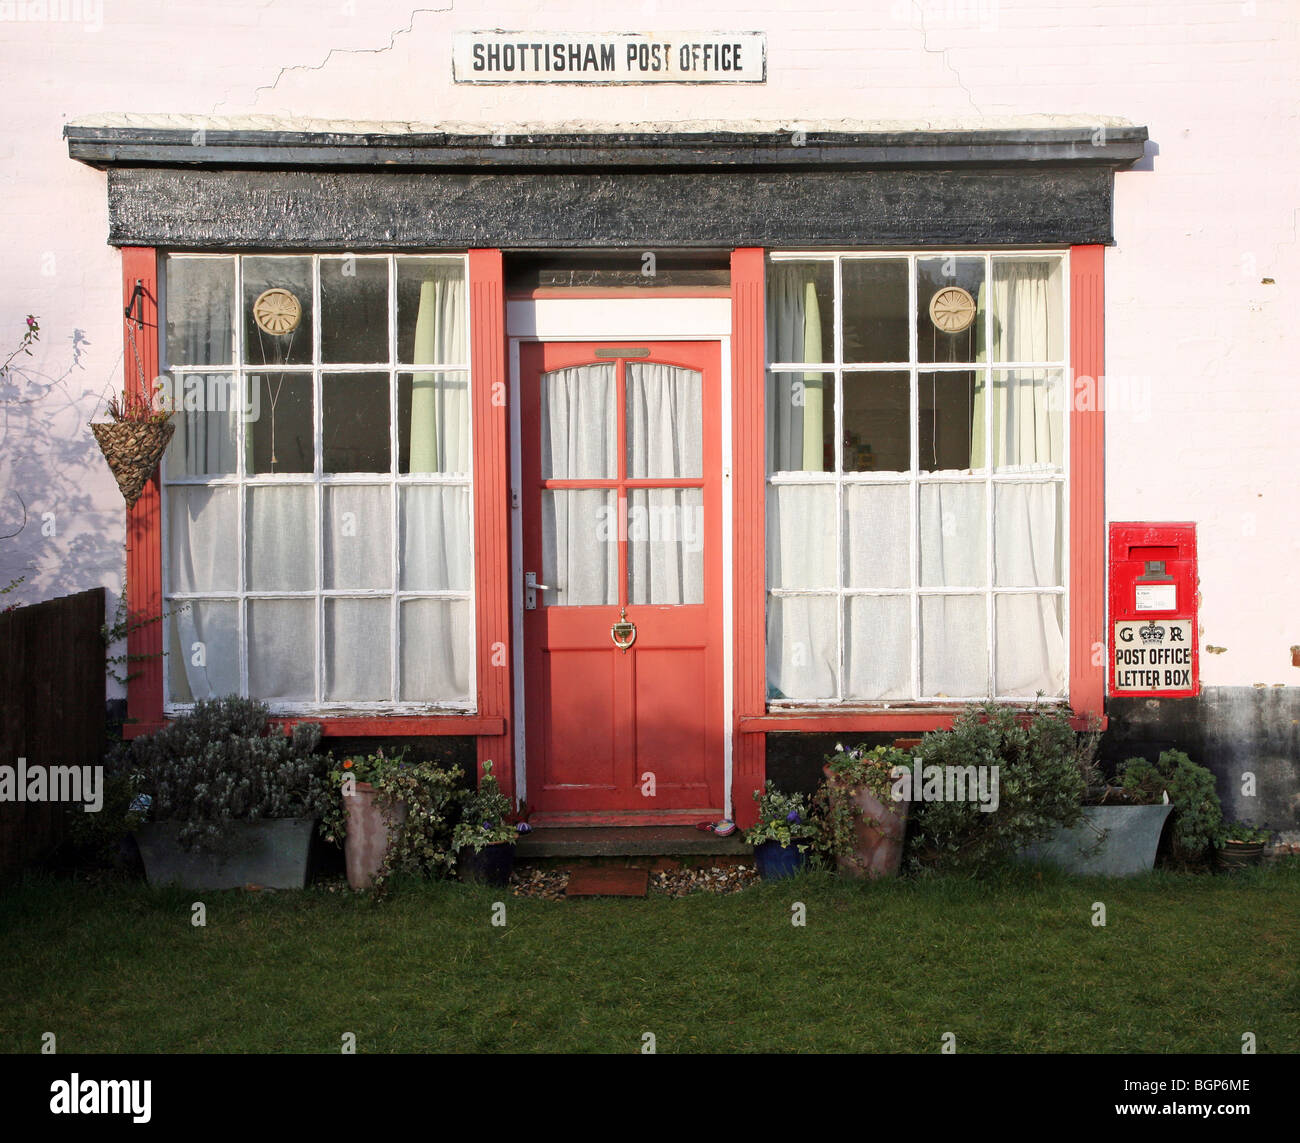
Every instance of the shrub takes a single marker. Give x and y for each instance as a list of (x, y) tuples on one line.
[(1042, 775), (1197, 818), (218, 764)]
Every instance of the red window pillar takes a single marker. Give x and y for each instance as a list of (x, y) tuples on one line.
[(1087, 587), (144, 641), (749, 463), (488, 388)]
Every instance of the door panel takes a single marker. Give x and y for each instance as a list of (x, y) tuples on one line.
[(622, 521)]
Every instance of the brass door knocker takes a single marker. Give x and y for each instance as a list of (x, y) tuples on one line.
[(623, 632)]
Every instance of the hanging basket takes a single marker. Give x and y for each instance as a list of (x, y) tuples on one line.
[(133, 450)]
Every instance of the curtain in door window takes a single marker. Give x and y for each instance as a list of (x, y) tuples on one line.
[(795, 401)]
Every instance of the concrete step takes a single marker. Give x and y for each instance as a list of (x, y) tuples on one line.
[(627, 841)]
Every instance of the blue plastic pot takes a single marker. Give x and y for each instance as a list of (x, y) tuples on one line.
[(491, 865), (776, 861)]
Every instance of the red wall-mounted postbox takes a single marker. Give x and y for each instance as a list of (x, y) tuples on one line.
[(1154, 644)]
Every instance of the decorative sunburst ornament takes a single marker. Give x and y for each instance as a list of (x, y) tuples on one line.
[(277, 311), (952, 309)]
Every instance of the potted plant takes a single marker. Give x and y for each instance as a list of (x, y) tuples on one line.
[(783, 835), (860, 824), (484, 838), (133, 441), (1241, 844), (232, 802)]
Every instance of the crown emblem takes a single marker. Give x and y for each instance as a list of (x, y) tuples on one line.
[(1151, 633)]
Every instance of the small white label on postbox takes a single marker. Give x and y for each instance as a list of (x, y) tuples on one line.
[(1156, 597)]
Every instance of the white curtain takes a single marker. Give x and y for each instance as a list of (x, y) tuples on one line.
[(796, 402), (440, 421)]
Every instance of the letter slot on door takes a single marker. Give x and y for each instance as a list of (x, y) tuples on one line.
[(1154, 646)]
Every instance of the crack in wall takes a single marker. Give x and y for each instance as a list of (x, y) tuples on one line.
[(392, 40), (925, 47)]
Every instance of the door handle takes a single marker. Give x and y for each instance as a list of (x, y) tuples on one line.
[(531, 588)]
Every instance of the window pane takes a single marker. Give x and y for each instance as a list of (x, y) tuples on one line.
[(950, 422), (354, 422), (205, 442), (579, 547), (1027, 535), (802, 652), (281, 525), (954, 646), (277, 326), (875, 309), (354, 310), (877, 413), (800, 313), (665, 420), (947, 327), (1031, 645), (357, 540), (953, 534), (1027, 310), (203, 652), (282, 649), (436, 538), (357, 665), (431, 319), (437, 649), (801, 536), (1028, 420), (202, 531), (579, 431), (279, 436), (878, 647), (665, 545), (433, 433), (801, 422), (200, 311), (877, 527)]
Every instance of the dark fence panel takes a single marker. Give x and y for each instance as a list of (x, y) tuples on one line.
[(52, 699)]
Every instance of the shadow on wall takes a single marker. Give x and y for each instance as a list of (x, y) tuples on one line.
[(54, 530)]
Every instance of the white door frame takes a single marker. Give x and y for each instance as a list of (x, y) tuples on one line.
[(618, 320)]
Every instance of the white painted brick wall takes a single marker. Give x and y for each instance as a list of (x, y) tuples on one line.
[(1216, 83)]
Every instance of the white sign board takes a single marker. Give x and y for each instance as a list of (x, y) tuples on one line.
[(1156, 597), (609, 57), (1153, 655)]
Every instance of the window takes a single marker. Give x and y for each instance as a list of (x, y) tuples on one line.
[(317, 508), (916, 459)]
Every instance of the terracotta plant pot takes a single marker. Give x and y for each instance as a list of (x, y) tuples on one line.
[(878, 832), (366, 842), (1240, 854), (133, 450)]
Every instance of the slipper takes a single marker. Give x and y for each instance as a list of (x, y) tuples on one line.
[(704, 827), (722, 829)]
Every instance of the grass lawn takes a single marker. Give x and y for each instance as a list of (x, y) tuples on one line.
[(1184, 963)]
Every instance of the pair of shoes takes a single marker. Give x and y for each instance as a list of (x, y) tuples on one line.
[(723, 828)]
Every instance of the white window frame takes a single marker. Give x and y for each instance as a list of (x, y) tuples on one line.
[(915, 478), (318, 481)]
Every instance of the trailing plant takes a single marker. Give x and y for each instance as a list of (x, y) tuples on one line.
[(221, 762), (835, 814), (1197, 818), (115, 633), (1244, 832), (783, 818), (486, 816), (1042, 773), (419, 844)]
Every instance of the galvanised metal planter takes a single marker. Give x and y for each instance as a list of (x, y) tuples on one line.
[(271, 854), (775, 861), (1110, 841)]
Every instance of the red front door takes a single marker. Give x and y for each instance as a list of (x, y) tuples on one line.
[(622, 524)]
